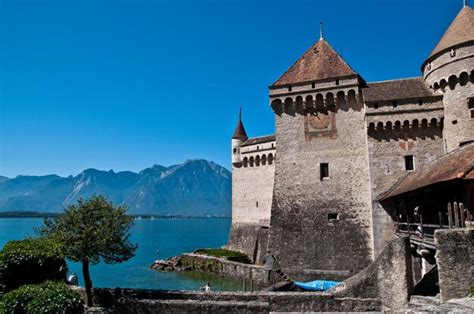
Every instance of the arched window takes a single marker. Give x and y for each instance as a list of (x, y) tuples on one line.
[(251, 161), (270, 159), (246, 161), (264, 160), (257, 161), (277, 106), (424, 124), (452, 81)]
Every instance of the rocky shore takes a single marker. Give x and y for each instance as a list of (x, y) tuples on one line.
[(170, 264)]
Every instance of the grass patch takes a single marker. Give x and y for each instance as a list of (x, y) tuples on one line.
[(227, 254)]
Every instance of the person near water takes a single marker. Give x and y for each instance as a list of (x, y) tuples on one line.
[(72, 279), (206, 288), (269, 263)]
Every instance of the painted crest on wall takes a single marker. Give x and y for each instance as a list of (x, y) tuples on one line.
[(320, 123)]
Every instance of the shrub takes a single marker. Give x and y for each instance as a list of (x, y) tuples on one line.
[(227, 254), (30, 261), (47, 297)]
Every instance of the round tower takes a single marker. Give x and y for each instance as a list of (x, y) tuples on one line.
[(449, 70), (238, 138)]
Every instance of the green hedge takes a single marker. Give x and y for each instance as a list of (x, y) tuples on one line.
[(227, 254), (30, 261), (47, 297)]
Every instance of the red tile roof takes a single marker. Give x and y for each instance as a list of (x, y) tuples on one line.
[(457, 165), (239, 132), (259, 140), (318, 63), (409, 88), (460, 31)]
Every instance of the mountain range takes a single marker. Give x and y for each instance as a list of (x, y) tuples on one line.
[(193, 188)]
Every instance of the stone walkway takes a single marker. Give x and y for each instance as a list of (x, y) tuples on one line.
[(430, 304)]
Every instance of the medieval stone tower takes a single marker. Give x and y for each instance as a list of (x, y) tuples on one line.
[(322, 171), (448, 70), (310, 194)]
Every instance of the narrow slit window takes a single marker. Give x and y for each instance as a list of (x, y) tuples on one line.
[(324, 170), (409, 163), (256, 204)]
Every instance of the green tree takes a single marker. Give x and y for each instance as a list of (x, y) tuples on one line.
[(91, 231)]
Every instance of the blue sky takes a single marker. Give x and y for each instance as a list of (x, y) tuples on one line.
[(124, 85)]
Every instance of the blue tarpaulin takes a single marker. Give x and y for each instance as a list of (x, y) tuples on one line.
[(317, 285)]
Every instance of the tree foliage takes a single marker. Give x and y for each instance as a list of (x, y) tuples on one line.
[(94, 230), (91, 231), (30, 261), (47, 297)]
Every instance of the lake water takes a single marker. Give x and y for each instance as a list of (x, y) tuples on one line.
[(170, 237)]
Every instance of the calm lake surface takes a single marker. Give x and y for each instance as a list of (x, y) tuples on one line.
[(170, 237)]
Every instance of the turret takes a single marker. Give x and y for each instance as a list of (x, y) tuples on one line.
[(238, 138), (449, 70)]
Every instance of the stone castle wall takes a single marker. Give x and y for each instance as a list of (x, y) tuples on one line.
[(303, 233), (452, 74), (252, 191), (389, 143)]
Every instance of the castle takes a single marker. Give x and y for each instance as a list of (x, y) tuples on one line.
[(310, 193)]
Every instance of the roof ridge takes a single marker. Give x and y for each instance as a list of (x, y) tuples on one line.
[(250, 138), (393, 80)]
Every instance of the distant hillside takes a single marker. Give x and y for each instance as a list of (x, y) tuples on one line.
[(194, 188)]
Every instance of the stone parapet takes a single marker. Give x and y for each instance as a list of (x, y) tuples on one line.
[(455, 259)]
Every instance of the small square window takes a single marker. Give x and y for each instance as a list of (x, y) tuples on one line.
[(313, 85), (409, 163), (289, 88), (337, 81), (324, 171), (333, 216), (235, 150), (395, 104)]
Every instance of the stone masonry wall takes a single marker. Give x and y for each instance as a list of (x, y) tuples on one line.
[(161, 301), (302, 234), (252, 191), (455, 260), (387, 150), (459, 125), (389, 278)]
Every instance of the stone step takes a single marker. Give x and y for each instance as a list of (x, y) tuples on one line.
[(204, 306), (424, 300)]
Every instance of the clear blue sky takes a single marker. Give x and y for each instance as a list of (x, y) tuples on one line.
[(124, 85)]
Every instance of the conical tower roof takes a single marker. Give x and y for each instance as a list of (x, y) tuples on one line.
[(319, 62), (460, 31), (239, 132)]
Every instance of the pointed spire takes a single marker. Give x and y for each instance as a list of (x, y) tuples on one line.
[(321, 30), (239, 132), (460, 31), (319, 62)]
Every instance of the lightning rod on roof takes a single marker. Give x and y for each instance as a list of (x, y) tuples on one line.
[(240, 113), (320, 30)]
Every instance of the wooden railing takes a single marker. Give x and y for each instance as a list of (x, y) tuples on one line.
[(423, 234)]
